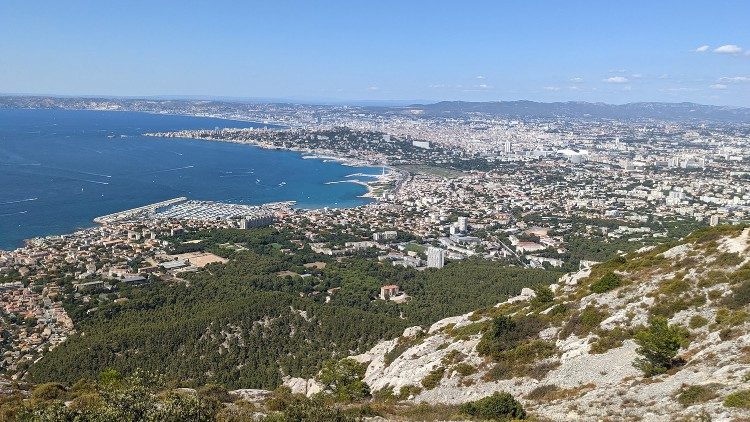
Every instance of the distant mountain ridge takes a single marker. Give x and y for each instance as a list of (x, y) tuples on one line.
[(518, 109), (578, 109)]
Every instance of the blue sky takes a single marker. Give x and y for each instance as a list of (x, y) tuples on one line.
[(607, 51)]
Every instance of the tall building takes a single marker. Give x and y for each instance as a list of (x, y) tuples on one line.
[(249, 222), (507, 148), (463, 224), (435, 257)]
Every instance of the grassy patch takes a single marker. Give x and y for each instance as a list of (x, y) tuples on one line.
[(609, 339), (728, 259), (694, 394), (739, 399), (607, 282), (432, 379), (465, 369), (584, 322), (402, 345), (466, 331), (697, 321)]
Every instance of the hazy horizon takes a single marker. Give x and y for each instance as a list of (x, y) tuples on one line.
[(694, 51)]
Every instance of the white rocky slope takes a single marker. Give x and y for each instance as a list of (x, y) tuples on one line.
[(687, 282)]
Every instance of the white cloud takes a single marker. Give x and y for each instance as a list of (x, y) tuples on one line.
[(480, 76), (664, 76), (726, 79), (637, 75), (718, 86), (616, 80), (551, 88), (576, 79), (728, 49), (482, 86), (373, 88), (437, 86), (702, 49)]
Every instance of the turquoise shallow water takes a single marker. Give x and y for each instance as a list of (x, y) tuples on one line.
[(59, 169)]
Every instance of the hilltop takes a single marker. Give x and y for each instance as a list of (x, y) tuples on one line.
[(574, 350), (662, 333), (568, 352)]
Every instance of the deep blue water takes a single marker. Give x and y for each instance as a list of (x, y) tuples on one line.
[(59, 169)]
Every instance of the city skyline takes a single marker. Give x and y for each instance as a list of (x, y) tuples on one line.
[(669, 52)]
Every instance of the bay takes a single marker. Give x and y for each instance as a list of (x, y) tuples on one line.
[(61, 168)]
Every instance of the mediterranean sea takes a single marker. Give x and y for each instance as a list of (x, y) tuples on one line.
[(61, 168)]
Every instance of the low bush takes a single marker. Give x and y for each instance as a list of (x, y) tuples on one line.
[(695, 394), (464, 369), (609, 281), (740, 296), (697, 321), (584, 322), (543, 392), (658, 346), (499, 406), (740, 399), (432, 379), (49, 391), (728, 259), (609, 339)]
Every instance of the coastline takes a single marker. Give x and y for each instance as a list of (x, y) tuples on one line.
[(23, 241), (309, 154)]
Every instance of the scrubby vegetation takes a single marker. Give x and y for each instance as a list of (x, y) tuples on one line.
[(607, 282), (498, 407), (693, 394), (740, 399), (242, 325), (513, 344), (658, 346), (433, 378)]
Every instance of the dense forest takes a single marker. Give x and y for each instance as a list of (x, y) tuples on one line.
[(244, 325)]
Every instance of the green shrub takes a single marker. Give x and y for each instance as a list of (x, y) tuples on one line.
[(309, 410), (544, 295), (697, 321), (49, 391), (499, 406), (402, 345), (584, 322), (609, 281), (343, 379), (408, 390), (543, 392), (465, 369), (740, 296), (506, 333), (739, 399), (728, 259), (433, 378), (658, 346), (453, 357), (610, 339), (694, 394), (214, 391), (466, 331)]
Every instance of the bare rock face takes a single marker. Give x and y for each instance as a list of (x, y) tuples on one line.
[(591, 375), (308, 387)]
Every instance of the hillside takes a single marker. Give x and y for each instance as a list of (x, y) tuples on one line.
[(568, 352), (242, 325)]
